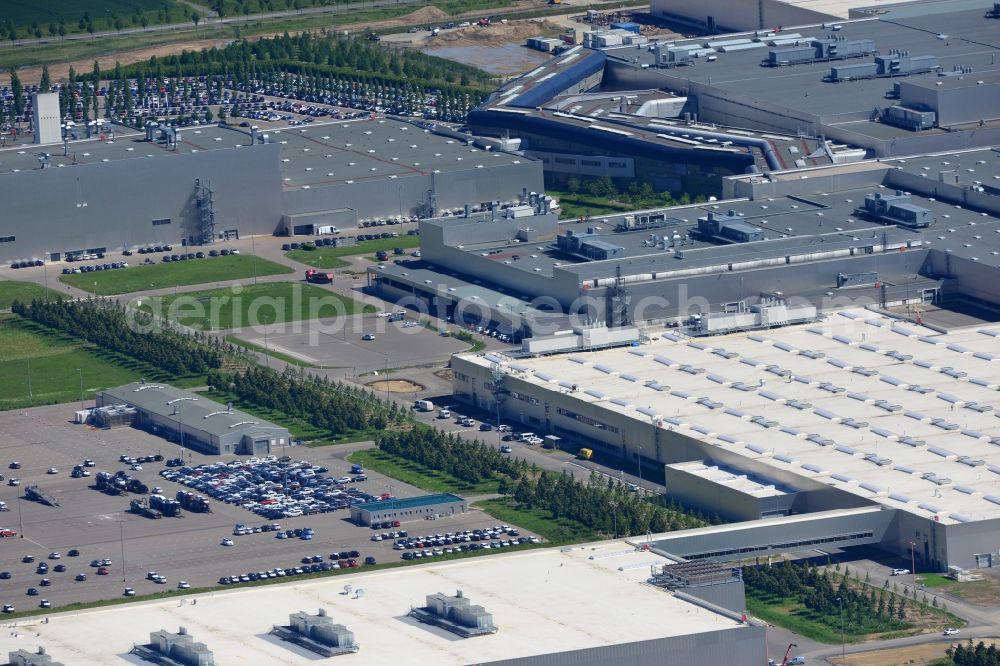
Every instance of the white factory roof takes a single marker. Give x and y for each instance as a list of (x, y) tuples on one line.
[(893, 412), (729, 478), (542, 601)]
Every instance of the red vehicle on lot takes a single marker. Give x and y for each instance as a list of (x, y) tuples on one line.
[(312, 275), (102, 571), (7, 533)]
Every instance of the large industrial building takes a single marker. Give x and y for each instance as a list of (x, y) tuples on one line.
[(858, 429), (193, 420), (216, 182), (544, 605), (683, 114), (780, 248)]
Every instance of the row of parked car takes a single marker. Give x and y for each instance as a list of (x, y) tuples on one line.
[(272, 488), (498, 533), (417, 554), (114, 265), (26, 263), (309, 564)]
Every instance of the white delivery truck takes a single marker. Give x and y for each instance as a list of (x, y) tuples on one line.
[(423, 406)]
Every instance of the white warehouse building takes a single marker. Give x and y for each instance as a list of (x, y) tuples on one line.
[(883, 432)]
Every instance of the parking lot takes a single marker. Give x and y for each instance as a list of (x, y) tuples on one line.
[(330, 343), (188, 548)]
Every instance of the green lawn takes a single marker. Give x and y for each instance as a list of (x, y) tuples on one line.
[(417, 475), (53, 360), (329, 257), (174, 274), (539, 521), (787, 614), (270, 303), (25, 292), (23, 13)]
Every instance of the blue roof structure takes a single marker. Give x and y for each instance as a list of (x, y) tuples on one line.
[(410, 502)]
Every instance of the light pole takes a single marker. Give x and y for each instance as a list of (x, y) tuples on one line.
[(614, 516), (20, 522), (913, 568), (253, 252), (639, 459), (843, 641), (121, 534)]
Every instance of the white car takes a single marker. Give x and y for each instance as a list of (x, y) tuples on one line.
[(900, 572), (52, 470), (950, 631), (183, 585), (227, 542), (136, 467), (129, 592)]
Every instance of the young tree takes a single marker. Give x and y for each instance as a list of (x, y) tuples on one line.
[(195, 17), (46, 83), (17, 89)]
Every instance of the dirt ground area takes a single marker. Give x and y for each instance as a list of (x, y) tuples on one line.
[(60, 71), (926, 653), (494, 35), (395, 386)]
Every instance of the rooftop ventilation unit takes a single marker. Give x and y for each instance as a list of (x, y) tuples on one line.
[(895, 209)]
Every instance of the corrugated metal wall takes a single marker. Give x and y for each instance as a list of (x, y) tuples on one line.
[(44, 209)]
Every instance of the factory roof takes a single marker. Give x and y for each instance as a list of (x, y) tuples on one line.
[(739, 481), (311, 156), (896, 413), (190, 410), (451, 285), (542, 601), (968, 42), (955, 33), (970, 166), (411, 502), (791, 225)]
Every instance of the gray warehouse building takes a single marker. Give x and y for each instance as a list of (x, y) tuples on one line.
[(781, 248), (196, 421), (408, 509), (216, 182), (682, 114)]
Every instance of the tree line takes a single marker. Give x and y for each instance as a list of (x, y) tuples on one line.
[(603, 504), (975, 655), (865, 608), (246, 61), (323, 403), (109, 325)]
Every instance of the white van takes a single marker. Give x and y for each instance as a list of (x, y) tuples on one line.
[(444, 414), (423, 405)]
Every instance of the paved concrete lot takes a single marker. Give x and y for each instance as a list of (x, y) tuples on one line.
[(329, 343), (187, 548)]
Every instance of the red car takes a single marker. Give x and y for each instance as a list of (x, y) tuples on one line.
[(102, 571), (7, 533)]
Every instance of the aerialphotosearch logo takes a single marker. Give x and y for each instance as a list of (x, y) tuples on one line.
[(328, 315)]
